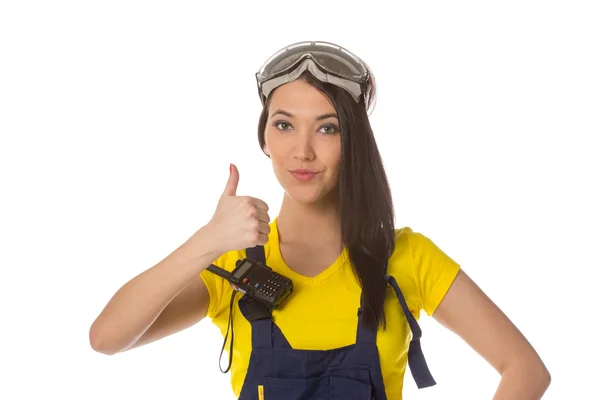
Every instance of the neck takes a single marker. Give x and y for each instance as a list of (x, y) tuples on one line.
[(309, 224)]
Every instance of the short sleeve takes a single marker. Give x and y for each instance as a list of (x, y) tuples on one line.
[(434, 270), (218, 288)]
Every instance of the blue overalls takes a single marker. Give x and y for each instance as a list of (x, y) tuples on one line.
[(276, 371)]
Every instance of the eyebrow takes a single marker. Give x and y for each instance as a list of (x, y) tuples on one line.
[(289, 115)]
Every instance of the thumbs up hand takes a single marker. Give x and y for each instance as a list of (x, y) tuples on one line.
[(239, 222)]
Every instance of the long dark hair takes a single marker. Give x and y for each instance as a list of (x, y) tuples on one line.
[(365, 202)]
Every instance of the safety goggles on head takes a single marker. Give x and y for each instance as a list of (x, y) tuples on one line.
[(326, 61)]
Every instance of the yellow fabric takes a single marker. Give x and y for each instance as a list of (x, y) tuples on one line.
[(323, 315)]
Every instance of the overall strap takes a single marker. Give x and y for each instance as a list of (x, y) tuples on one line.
[(265, 334), (364, 335), (256, 313), (253, 311), (260, 319), (416, 359), (257, 254)]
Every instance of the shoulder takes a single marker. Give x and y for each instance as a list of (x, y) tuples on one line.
[(407, 243), (400, 266), (419, 246), (407, 236), (421, 266)]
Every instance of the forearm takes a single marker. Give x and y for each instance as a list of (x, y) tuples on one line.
[(136, 305), (523, 382)]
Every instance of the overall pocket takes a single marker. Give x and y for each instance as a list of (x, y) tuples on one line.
[(352, 382), (296, 388)]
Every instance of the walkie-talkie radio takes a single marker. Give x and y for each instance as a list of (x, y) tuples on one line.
[(258, 281)]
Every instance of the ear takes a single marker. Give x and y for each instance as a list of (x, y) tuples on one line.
[(266, 151)]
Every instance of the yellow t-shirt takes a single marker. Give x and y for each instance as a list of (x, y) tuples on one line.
[(323, 314)]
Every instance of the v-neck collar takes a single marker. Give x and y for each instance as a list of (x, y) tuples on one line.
[(295, 276)]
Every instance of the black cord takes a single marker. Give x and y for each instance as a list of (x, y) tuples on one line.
[(230, 323)]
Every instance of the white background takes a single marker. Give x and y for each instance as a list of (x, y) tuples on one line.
[(119, 119)]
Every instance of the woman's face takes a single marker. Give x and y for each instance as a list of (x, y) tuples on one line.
[(302, 137)]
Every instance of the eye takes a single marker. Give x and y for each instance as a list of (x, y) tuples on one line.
[(330, 129), (281, 125)]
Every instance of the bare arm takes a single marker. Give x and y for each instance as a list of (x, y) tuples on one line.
[(171, 296), (469, 313), (162, 300)]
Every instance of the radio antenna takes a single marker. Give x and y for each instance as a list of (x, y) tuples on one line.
[(219, 271)]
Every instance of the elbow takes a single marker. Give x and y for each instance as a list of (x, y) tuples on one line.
[(528, 371), (542, 380), (545, 377), (540, 374), (538, 377)]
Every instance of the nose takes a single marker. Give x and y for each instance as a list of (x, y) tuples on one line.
[(304, 146)]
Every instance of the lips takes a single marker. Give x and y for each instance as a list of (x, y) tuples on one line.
[(303, 175)]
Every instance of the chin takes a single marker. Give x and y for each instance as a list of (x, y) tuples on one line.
[(303, 196), (307, 194)]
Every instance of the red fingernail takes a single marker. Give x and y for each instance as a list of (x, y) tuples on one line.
[(230, 168)]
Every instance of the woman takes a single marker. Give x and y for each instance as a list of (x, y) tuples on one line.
[(349, 328)]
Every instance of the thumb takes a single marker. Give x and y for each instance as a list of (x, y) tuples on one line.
[(232, 182)]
